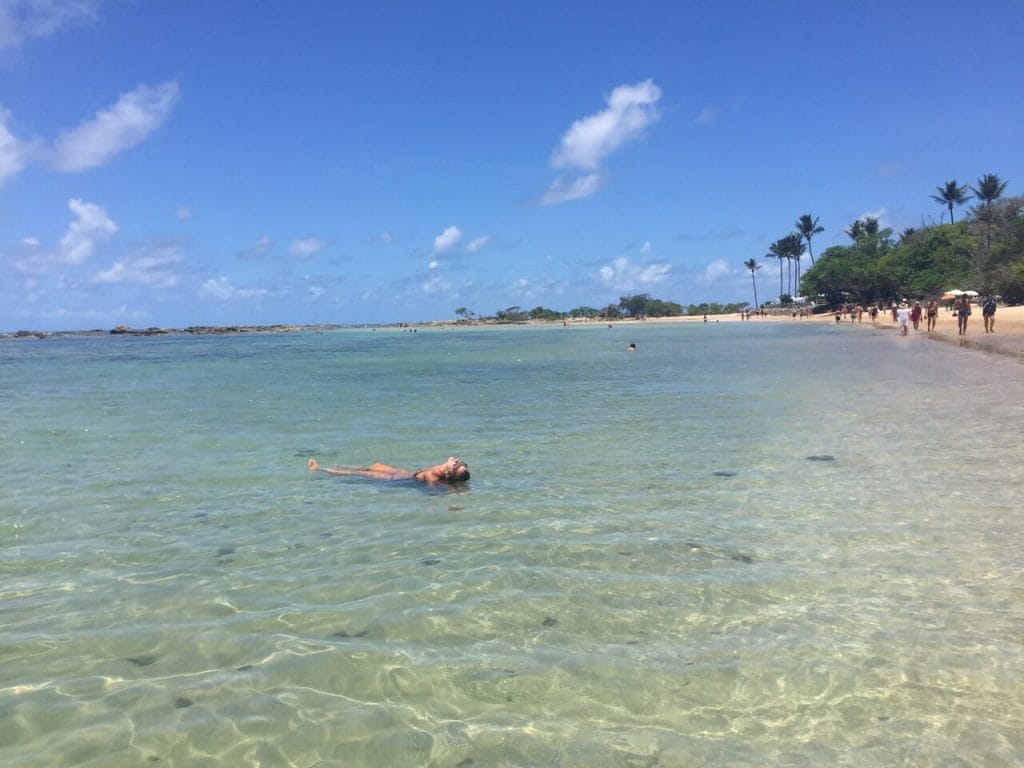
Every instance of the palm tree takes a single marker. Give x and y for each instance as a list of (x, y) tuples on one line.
[(807, 227), (753, 266), (949, 195), (777, 251), (794, 244), (990, 188), (862, 228)]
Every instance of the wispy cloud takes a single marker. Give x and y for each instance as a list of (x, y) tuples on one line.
[(591, 139), (623, 275), (706, 116), (183, 212), (257, 250), (718, 270), (477, 244), (306, 247), (14, 153), (91, 227), (221, 289), (447, 239), (127, 123), (23, 20), (562, 191), (153, 267)]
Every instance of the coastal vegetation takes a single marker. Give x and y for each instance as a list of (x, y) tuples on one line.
[(983, 251)]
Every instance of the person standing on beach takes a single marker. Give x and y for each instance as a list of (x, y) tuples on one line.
[(903, 317), (895, 310), (932, 312), (988, 314), (963, 311), (915, 314)]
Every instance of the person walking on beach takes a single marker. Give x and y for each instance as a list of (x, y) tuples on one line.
[(915, 314), (455, 470), (895, 310), (932, 312), (988, 314), (903, 317), (963, 311)]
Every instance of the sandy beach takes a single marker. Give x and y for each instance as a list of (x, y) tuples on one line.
[(1008, 338)]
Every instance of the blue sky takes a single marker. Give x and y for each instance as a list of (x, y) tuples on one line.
[(173, 164)]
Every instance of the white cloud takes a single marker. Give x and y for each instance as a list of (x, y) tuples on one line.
[(646, 249), (447, 239), (155, 268), (257, 250), (385, 238), (631, 108), (220, 288), (706, 115), (183, 212), (127, 123), (91, 227), (306, 247), (22, 20), (433, 264), (14, 153), (881, 215), (477, 244), (590, 140), (623, 275), (718, 270), (435, 285), (561, 191)]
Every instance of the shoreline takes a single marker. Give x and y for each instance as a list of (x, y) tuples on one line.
[(1007, 340)]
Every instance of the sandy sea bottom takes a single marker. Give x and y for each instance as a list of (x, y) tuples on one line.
[(739, 545)]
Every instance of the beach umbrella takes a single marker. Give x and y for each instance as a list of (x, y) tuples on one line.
[(970, 293), (953, 292), (949, 295)]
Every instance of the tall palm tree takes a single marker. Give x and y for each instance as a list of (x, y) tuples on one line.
[(949, 195), (794, 245), (753, 266), (807, 227), (777, 251), (990, 188)]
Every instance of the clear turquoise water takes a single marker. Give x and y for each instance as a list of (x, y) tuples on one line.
[(645, 570)]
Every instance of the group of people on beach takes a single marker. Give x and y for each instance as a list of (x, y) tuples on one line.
[(905, 315)]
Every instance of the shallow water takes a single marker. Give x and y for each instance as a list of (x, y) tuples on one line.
[(645, 569)]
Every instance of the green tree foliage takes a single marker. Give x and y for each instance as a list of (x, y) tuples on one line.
[(714, 308), (543, 313), (511, 315), (587, 312), (642, 305), (851, 272), (937, 259)]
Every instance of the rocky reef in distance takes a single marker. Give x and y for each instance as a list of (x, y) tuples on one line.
[(123, 330)]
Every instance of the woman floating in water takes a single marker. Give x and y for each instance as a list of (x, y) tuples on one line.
[(454, 470)]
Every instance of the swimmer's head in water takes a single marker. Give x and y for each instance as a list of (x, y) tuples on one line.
[(456, 470)]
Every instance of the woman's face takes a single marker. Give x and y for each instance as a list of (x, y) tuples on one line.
[(456, 469)]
